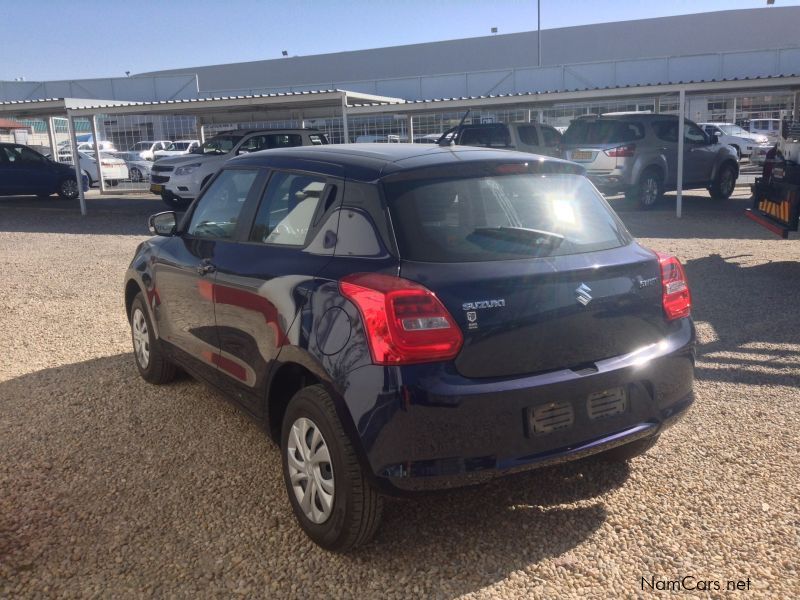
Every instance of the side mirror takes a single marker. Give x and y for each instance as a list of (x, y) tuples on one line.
[(713, 138), (163, 223)]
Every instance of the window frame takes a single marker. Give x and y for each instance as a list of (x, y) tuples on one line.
[(319, 214), (246, 214)]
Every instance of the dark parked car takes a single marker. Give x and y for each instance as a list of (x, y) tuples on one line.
[(26, 172), (411, 317)]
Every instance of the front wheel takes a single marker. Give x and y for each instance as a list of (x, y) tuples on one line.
[(68, 189), (136, 175), (724, 183), (330, 496), (175, 202), (153, 366)]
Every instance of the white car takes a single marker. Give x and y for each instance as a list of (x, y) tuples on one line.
[(179, 179), (729, 134), (770, 128), (114, 169), (138, 169), (178, 147), (147, 149), (64, 149)]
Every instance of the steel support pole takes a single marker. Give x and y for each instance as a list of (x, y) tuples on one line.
[(345, 126), (410, 129), (73, 140), (539, 29), (796, 108), (681, 107), (51, 135), (101, 179), (201, 134)]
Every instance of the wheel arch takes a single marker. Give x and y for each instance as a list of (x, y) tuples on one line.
[(288, 379)]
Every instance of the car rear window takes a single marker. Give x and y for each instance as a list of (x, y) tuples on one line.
[(502, 217), (603, 131)]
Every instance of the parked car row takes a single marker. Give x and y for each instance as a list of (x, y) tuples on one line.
[(24, 171), (631, 153)]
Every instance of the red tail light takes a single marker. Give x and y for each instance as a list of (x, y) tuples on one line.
[(675, 295), (621, 151), (405, 322)]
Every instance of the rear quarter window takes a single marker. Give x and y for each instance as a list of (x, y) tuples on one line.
[(603, 131), (500, 218)]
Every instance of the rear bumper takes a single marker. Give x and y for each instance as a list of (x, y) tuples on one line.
[(614, 182), (432, 429)]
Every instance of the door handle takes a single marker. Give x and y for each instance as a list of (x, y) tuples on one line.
[(206, 267)]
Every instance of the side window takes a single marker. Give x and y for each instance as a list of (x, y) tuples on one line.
[(692, 134), (283, 140), (218, 211), (253, 144), (287, 209), (550, 135), (489, 137), (666, 131), (317, 139), (527, 133), (27, 155)]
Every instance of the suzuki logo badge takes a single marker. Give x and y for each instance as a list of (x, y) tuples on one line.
[(582, 294)]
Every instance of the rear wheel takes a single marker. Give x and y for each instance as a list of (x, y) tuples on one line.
[(725, 182), (136, 175), (649, 190), (68, 189), (331, 498), (153, 366), (629, 451), (113, 182), (738, 152)]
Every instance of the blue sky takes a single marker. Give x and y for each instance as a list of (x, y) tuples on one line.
[(68, 39)]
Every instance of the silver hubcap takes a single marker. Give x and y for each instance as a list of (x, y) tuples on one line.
[(650, 190), (310, 470), (141, 338), (69, 187)]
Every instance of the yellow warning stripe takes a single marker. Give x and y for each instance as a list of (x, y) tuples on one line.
[(779, 210)]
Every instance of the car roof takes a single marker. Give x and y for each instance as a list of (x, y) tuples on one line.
[(369, 162), (249, 131)]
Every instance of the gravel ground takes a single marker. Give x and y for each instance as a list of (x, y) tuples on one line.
[(115, 488)]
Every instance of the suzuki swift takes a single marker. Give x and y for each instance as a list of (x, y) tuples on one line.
[(404, 317)]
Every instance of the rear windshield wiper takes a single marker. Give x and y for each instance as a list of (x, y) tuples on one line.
[(522, 235)]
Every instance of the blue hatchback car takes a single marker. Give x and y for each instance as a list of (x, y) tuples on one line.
[(409, 317), (23, 171)]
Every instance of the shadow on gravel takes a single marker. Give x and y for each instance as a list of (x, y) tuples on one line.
[(108, 475), (703, 218), (752, 312), (104, 215)]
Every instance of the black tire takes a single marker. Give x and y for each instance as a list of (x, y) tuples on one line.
[(89, 178), (738, 152), (135, 175), (649, 190), (156, 369), (68, 189), (356, 508), (629, 451), (175, 202), (113, 182), (724, 182)]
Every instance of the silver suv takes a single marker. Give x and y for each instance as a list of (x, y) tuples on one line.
[(637, 154)]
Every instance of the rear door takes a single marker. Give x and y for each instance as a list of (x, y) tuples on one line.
[(538, 271), (261, 283)]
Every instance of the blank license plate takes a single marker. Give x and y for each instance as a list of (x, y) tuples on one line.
[(156, 188), (581, 155)]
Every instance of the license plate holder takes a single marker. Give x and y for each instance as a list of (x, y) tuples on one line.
[(607, 403), (581, 155), (550, 417), (156, 188)]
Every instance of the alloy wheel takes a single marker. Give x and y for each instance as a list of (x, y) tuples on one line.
[(310, 470), (141, 338), (649, 191), (726, 182), (69, 188)]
